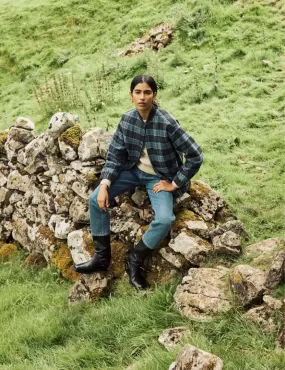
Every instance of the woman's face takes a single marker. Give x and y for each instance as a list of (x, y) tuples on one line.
[(142, 97)]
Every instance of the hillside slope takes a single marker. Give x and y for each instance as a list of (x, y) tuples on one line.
[(222, 77)]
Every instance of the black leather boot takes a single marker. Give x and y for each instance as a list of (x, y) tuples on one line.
[(101, 258), (134, 263)]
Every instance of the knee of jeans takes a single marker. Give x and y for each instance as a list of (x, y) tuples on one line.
[(166, 220)]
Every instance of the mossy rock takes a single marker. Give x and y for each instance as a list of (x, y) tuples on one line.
[(46, 233), (199, 190), (8, 251), (3, 139), (72, 136), (182, 216), (35, 260), (61, 258)]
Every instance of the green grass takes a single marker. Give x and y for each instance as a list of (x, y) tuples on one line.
[(40, 331), (213, 79)]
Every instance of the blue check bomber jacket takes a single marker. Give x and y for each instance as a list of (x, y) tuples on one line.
[(166, 143)]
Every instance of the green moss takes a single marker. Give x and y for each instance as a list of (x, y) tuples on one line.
[(182, 216), (198, 189), (72, 136), (8, 250), (91, 178), (3, 139), (61, 258)]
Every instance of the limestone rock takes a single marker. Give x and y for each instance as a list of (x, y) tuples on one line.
[(25, 123), (228, 243), (276, 273), (171, 337), (265, 246), (79, 211), (60, 122), (203, 292), (158, 37), (204, 200), (105, 140), (140, 196), (194, 249), (18, 182), (3, 180), (235, 226), (176, 259), (262, 316), (89, 287), (21, 135), (193, 358), (89, 145), (248, 284), (3, 193), (128, 230), (68, 153), (61, 226), (79, 242), (81, 189), (198, 227)]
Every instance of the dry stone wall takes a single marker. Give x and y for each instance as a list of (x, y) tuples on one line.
[(45, 182)]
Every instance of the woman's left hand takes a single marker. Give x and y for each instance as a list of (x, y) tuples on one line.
[(163, 185)]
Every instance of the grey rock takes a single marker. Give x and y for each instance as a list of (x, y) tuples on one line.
[(203, 292), (60, 122), (276, 273), (89, 145), (78, 242), (172, 336), (228, 243), (89, 288), (176, 259), (193, 358), (248, 284), (194, 249), (204, 200), (79, 210)]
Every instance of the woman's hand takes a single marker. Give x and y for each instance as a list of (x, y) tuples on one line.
[(103, 197), (163, 185)]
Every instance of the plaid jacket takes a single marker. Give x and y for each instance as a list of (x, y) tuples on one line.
[(166, 142)]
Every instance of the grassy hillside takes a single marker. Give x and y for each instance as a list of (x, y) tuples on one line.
[(223, 78)]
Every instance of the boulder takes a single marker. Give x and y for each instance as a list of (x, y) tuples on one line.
[(193, 358), (248, 284), (203, 292), (204, 200), (171, 337), (60, 122), (89, 145), (89, 287), (193, 248)]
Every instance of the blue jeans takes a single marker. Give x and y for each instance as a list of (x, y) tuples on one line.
[(162, 204)]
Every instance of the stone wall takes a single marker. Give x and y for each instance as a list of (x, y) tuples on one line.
[(45, 182)]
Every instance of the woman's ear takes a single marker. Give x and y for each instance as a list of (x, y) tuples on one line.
[(131, 95)]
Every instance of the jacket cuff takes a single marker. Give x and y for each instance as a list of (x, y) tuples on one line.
[(105, 181)]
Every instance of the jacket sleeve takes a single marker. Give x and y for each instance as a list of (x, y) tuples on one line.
[(184, 143), (116, 157)]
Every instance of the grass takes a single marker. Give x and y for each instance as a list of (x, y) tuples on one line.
[(40, 331), (215, 79)]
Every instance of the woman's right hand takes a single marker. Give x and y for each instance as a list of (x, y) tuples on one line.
[(103, 197)]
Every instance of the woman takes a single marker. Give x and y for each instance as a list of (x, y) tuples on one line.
[(146, 150)]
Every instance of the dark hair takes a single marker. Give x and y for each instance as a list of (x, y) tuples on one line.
[(144, 78)]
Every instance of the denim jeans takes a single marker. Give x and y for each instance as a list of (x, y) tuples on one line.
[(162, 204)]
